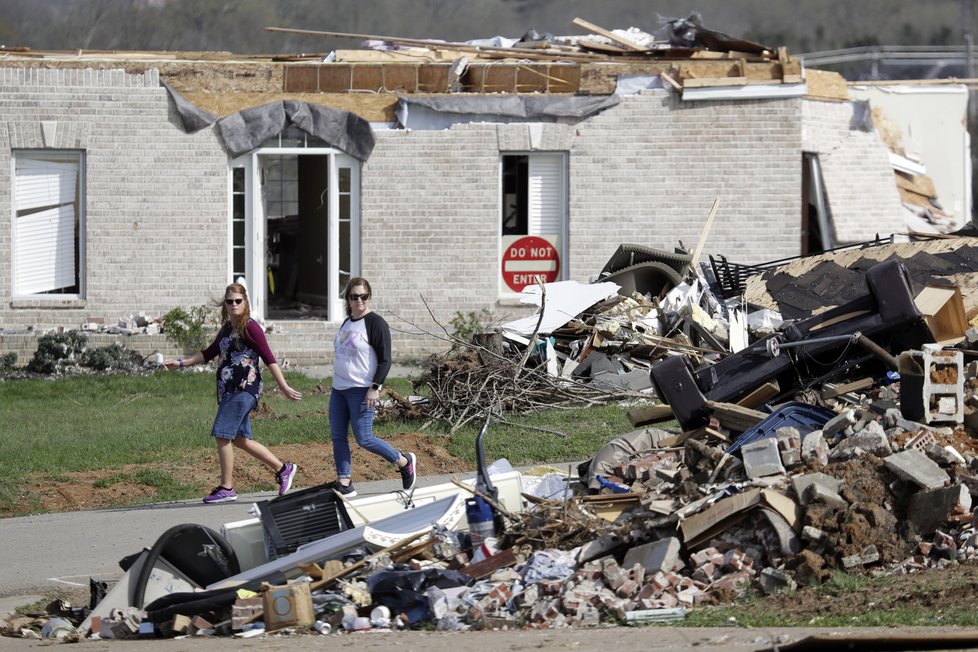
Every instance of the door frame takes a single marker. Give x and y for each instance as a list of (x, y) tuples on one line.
[(255, 221)]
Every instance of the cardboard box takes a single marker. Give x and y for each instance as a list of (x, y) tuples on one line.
[(943, 310), (289, 605)]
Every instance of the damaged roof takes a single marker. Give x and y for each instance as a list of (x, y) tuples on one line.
[(367, 81)]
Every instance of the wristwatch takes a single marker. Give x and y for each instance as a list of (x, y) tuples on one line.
[(376, 386)]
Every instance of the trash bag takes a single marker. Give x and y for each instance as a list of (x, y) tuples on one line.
[(403, 591)]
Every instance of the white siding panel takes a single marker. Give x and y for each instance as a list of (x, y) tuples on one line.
[(45, 251)]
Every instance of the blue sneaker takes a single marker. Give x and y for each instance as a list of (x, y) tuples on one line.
[(284, 477), (221, 495)]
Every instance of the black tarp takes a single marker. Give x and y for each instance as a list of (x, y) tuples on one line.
[(247, 129)]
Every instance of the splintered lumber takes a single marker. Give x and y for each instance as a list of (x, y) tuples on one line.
[(580, 22), (490, 565), (328, 579), (653, 414), (761, 395), (735, 416), (519, 53), (831, 390), (695, 260)]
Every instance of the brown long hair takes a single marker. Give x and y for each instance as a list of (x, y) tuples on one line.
[(239, 328), (355, 281)]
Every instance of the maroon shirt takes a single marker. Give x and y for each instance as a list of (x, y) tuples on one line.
[(238, 366)]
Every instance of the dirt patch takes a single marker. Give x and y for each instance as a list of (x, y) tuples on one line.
[(923, 592), (134, 483)]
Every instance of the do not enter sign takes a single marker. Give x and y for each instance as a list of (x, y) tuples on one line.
[(528, 259)]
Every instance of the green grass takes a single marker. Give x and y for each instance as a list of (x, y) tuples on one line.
[(52, 428), (850, 600)]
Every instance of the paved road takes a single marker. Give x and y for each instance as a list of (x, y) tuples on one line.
[(49, 551)]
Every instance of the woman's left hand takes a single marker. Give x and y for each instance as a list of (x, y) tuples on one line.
[(291, 393), (373, 397)]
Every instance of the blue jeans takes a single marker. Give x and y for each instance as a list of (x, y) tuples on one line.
[(348, 407)]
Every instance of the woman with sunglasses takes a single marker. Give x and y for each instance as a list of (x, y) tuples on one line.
[(239, 345), (362, 358)]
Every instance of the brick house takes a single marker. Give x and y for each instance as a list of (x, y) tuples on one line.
[(128, 193)]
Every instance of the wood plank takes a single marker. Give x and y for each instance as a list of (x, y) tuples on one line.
[(831, 390), (669, 80), (695, 260), (601, 47), (486, 567), (646, 415), (761, 395), (580, 22), (735, 417)]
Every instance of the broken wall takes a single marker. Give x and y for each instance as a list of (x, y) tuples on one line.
[(933, 125), (646, 170), (862, 194)]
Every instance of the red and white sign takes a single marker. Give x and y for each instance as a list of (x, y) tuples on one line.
[(528, 259)]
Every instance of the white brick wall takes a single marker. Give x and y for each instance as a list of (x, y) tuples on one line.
[(156, 197), (859, 180), (646, 171)]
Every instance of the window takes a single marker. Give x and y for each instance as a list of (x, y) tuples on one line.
[(533, 219), (48, 247)]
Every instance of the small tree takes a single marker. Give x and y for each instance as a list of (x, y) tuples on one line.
[(467, 325), (188, 330)]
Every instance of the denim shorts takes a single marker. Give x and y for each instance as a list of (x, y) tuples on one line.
[(232, 420)]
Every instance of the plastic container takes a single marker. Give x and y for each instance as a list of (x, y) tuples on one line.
[(480, 518), (806, 418)]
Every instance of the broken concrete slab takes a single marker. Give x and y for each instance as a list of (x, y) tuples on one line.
[(762, 458), (913, 466), (660, 556), (928, 510)]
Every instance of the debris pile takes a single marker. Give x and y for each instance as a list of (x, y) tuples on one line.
[(844, 442)]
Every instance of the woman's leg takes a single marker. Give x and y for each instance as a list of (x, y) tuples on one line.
[(339, 433), (225, 458), (260, 452), (230, 425), (363, 429)]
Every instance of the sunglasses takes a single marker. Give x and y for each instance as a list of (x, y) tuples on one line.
[(358, 297), (233, 301)]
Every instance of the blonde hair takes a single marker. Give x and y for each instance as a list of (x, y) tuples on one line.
[(239, 328)]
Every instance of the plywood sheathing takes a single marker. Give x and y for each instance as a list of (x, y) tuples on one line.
[(410, 55), (825, 85), (920, 184), (889, 131), (402, 77), (373, 107)]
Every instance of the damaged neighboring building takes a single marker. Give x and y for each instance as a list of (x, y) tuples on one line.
[(451, 175)]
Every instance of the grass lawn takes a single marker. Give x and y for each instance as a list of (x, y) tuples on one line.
[(99, 423)]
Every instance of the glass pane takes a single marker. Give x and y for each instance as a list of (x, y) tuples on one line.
[(238, 234), (237, 180), (238, 203), (344, 245), (239, 261), (345, 177), (344, 207)]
